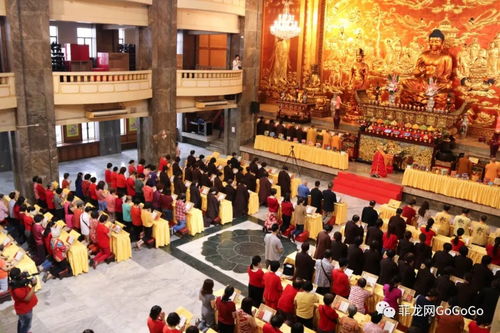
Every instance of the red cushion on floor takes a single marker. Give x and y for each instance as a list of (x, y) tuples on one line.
[(302, 237), (184, 231), (289, 231)]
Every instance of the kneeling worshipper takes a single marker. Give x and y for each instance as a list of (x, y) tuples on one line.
[(378, 165), (60, 267), (212, 213)]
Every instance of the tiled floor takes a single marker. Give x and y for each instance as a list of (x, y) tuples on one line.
[(117, 297)]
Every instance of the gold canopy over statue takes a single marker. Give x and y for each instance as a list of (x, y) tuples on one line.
[(432, 77)]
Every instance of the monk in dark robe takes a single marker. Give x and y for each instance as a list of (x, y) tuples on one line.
[(284, 181), (241, 201), (229, 190), (212, 168), (261, 126), (196, 174), (194, 195), (176, 168), (250, 180), (262, 172), (201, 163), (254, 167), (228, 172), (164, 179), (323, 242), (238, 175), (205, 180), (264, 190), (179, 187), (218, 183), (212, 208), (191, 159), (188, 173)]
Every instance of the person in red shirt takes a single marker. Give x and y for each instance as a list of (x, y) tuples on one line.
[(93, 191), (40, 190), (131, 167), (389, 239), (274, 325), (135, 214), (24, 299), (49, 199), (65, 182), (225, 308), (140, 166), (85, 187), (340, 280), (28, 223), (147, 191), (273, 206), (107, 174), (156, 320), (102, 236), (173, 320), (121, 181), (272, 286), (255, 281), (163, 162), (494, 252), (428, 232), (409, 212), (327, 315), (77, 213), (130, 185), (114, 174), (457, 241), (285, 303), (479, 326), (286, 212)]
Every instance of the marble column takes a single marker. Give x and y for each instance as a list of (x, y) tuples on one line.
[(157, 51), (242, 119), (109, 137), (35, 151)]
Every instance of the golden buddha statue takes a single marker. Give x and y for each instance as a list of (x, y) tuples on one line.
[(359, 72), (433, 66)]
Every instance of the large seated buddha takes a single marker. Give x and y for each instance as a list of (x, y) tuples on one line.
[(434, 65)]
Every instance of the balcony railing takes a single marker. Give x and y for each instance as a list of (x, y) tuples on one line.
[(209, 82), (223, 6), (7, 91), (101, 87)]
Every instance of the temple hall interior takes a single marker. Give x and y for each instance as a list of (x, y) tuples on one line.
[(249, 166)]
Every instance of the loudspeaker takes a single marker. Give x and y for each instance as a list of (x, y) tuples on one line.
[(254, 107)]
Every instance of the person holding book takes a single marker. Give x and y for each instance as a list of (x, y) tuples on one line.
[(359, 295), (272, 286), (245, 320), (340, 280), (286, 305), (173, 321), (328, 317), (225, 308), (180, 213), (274, 325), (304, 304), (348, 324)]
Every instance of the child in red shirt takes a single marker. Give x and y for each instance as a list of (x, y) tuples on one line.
[(428, 232), (65, 182), (93, 191), (121, 181), (327, 315), (135, 215), (457, 242), (285, 303), (340, 280), (131, 167), (114, 174), (49, 198), (272, 286), (274, 325), (156, 320), (107, 174), (102, 241), (85, 186)]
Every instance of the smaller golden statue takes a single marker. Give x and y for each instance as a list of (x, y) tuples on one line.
[(359, 72)]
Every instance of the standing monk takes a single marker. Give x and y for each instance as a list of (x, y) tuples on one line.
[(284, 181), (378, 165)]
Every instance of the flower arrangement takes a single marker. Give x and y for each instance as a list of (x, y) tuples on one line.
[(392, 83)]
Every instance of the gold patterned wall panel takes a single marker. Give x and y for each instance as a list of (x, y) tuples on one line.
[(392, 34)]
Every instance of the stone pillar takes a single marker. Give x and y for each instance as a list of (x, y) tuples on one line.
[(5, 156), (35, 151), (109, 137), (157, 51), (242, 119)]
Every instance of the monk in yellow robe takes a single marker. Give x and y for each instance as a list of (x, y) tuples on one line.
[(311, 136), (442, 221), (326, 139), (480, 232), (491, 171), (464, 165), (336, 141)]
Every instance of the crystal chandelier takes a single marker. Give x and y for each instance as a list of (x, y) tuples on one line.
[(285, 26)]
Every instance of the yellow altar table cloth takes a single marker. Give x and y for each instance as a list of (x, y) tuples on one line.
[(120, 245), (161, 232), (314, 224), (278, 191), (333, 159), (194, 221), (488, 195), (340, 211), (203, 202), (386, 212), (226, 211), (294, 186), (253, 203), (475, 252), (78, 254)]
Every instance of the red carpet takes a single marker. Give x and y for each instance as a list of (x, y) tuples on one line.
[(367, 188)]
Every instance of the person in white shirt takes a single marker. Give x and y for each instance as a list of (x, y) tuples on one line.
[(273, 246), (85, 222), (236, 63)]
